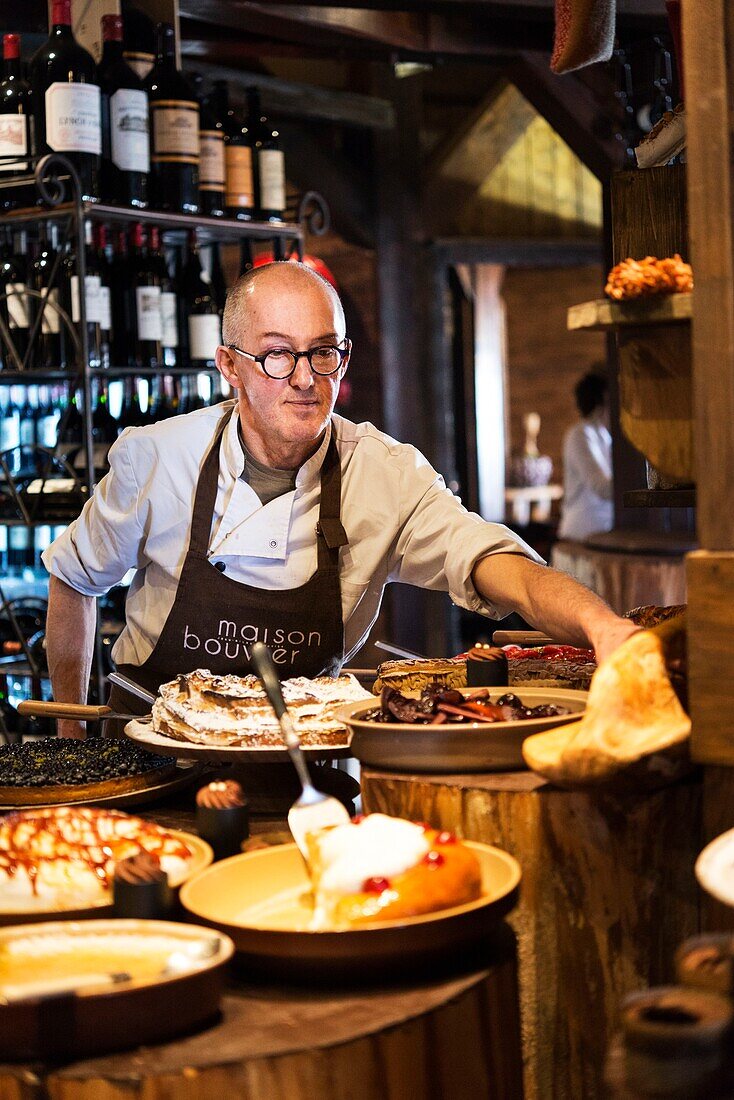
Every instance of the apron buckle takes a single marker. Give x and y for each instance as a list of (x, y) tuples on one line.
[(332, 532)]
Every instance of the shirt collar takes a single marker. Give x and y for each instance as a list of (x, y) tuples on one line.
[(234, 455)]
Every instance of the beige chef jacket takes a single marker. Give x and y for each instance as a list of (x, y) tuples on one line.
[(403, 524)]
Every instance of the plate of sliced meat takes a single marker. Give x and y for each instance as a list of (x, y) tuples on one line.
[(448, 730)]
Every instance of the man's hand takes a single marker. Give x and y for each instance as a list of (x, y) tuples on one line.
[(552, 602), (70, 626)]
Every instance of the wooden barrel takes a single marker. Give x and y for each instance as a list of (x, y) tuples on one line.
[(448, 1038), (608, 893)]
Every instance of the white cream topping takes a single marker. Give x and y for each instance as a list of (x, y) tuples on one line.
[(376, 847)]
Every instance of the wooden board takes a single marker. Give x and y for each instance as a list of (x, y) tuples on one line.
[(604, 313), (650, 213), (608, 893), (449, 1037), (711, 655)]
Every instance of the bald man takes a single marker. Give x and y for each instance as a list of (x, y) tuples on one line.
[(269, 518)]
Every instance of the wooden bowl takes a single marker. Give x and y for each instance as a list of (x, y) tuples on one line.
[(455, 746), (96, 1020), (262, 900)]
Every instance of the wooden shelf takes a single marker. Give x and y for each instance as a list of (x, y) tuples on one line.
[(660, 498), (603, 313)]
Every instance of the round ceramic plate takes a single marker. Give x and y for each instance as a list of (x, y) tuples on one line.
[(456, 747), (55, 978), (44, 909), (262, 900), (143, 734), (715, 868)]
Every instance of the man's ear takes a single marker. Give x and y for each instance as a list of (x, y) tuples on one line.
[(224, 360)]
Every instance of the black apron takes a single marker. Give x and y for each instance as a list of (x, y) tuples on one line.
[(215, 620)]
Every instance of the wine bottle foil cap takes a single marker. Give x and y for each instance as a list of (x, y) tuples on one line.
[(11, 46), (112, 28)]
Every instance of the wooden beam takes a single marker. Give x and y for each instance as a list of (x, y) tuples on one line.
[(511, 9), (571, 109), (295, 100), (518, 253)]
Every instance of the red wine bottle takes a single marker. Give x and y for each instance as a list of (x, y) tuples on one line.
[(268, 162), (15, 120), (50, 344), (239, 182), (205, 331), (211, 153), (138, 40), (146, 291), (66, 98), (15, 304), (123, 304), (174, 115), (125, 142), (105, 295), (169, 305)]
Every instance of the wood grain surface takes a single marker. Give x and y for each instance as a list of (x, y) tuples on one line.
[(455, 1037), (608, 893)]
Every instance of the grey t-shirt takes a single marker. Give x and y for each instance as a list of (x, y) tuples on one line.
[(267, 482)]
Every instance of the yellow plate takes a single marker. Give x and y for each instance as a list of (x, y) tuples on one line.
[(201, 858), (260, 900)]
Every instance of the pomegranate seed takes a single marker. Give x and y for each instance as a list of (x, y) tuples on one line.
[(434, 859), (445, 838), (375, 885)]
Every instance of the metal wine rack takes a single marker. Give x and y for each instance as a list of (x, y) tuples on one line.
[(55, 195)]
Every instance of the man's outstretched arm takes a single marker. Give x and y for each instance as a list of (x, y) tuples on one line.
[(70, 627), (551, 601)]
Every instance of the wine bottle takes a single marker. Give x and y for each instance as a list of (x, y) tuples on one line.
[(138, 40), (104, 425), (105, 300), (125, 140), (205, 331), (10, 431), (50, 344), (47, 421), (211, 152), (123, 304), (71, 427), (130, 414), (146, 290), (268, 162), (13, 300), (169, 306), (216, 277), (16, 113), (239, 195), (92, 294), (174, 116), (66, 100)]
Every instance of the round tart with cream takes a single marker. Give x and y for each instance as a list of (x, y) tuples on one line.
[(380, 868), (63, 857)]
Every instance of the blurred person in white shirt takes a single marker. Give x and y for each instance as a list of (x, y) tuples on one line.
[(588, 508)]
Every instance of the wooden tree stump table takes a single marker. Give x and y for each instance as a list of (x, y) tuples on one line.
[(444, 1038), (608, 893)]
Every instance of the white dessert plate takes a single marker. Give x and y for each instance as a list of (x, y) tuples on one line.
[(261, 900), (456, 747), (715, 868), (43, 908), (70, 989), (144, 734)]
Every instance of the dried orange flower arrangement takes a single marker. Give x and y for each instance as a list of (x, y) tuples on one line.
[(640, 278)]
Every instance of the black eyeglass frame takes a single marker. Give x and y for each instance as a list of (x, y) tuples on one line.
[(296, 355)]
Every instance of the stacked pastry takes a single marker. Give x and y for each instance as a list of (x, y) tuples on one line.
[(234, 710)]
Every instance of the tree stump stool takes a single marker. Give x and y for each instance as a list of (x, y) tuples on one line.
[(444, 1039), (608, 893)]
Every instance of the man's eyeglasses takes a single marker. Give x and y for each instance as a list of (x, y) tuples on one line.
[(281, 363)]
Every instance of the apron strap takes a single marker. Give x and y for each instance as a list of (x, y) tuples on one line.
[(206, 494)]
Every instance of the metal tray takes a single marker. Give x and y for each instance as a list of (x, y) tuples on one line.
[(456, 747)]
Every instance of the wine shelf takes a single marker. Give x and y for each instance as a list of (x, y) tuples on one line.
[(40, 377), (659, 498), (604, 314)]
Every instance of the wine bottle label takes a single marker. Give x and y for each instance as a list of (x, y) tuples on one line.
[(272, 179), (74, 118), (240, 190), (51, 320), (93, 287), (141, 63), (13, 142), (175, 131), (129, 130), (105, 308), (211, 160), (148, 301), (17, 305), (205, 335), (168, 320)]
